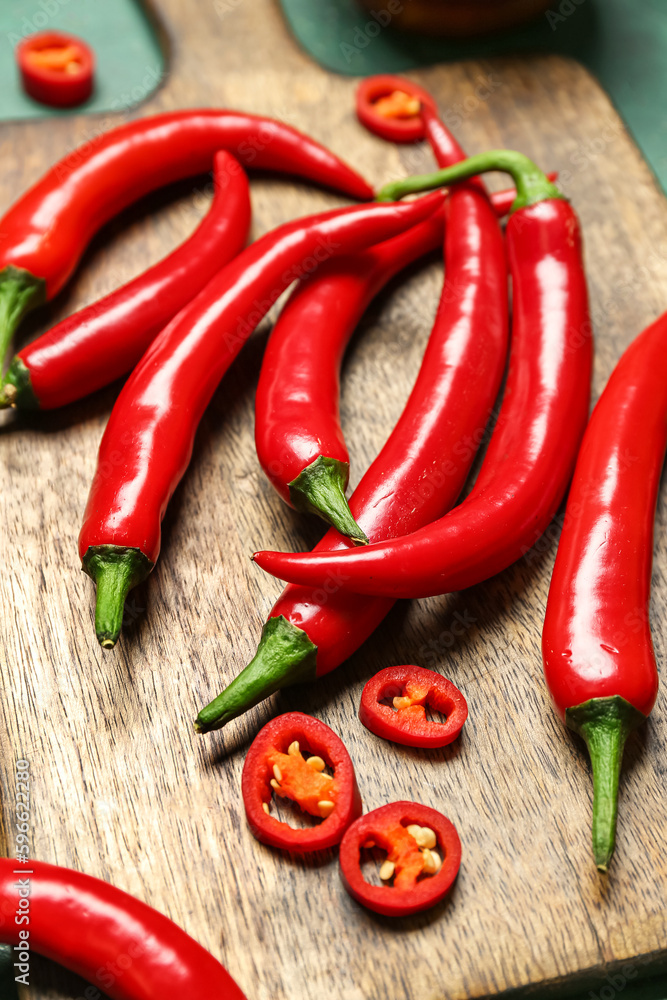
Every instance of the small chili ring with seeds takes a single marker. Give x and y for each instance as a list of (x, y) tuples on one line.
[(276, 764), (389, 107), (56, 69), (421, 876), (413, 689)]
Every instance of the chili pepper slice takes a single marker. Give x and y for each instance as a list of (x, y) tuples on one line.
[(389, 106), (419, 473), (275, 764), (596, 644), (56, 68), (299, 440), (45, 232), (105, 340), (89, 926), (148, 441), (423, 858), (412, 689), (533, 448)]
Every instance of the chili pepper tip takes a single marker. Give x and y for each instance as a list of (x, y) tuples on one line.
[(285, 656), (605, 724), (320, 489), (115, 570)]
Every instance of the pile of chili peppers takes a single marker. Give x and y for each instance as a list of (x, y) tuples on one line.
[(402, 533)]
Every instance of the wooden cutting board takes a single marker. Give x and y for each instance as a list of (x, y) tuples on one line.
[(124, 789)]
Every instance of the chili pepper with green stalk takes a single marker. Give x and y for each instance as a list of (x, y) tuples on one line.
[(533, 448)]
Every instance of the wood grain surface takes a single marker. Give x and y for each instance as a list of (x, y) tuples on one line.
[(124, 789)]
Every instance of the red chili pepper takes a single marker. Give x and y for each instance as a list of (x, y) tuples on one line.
[(106, 339), (533, 448), (91, 928), (299, 440), (379, 115), (413, 690), (419, 473), (275, 765), (56, 68), (148, 441), (44, 233), (421, 876), (598, 654)]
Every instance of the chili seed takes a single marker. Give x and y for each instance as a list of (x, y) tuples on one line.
[(437, 860), (265, 807), (387, 870), (369, 844), (326, 807), (429, 865), (415, 831), (316, 763), (428, 837), (294, 749), (400, 703), (274, 783), (277, 773)]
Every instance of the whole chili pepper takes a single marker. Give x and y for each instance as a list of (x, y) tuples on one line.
[(598, 654), (90, 927), (298, 436), (44, 233), (533, 448), (275, 764), (423, 857), (148, 441), (412, 690), (418, 474), (105, 340)]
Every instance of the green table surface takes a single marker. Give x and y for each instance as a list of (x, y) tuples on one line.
[(623, 42), (130, 63)]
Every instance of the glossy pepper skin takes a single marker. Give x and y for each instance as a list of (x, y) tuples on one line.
[(275, 764), (299, 440), (45, 232), (148, 441), (531, 455), (412, 689), (386, 828), (596, 643), (105, 340), (86, 924), (419, 473)]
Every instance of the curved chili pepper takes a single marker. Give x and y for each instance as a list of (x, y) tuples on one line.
[(533, 448), (108, 937), (105, 340), (418, 474), (44, 233), (396, 120), (275, 764), (598, 654), (413, 689), (148, 441), (56, 69), (423, 858), (298, 436)]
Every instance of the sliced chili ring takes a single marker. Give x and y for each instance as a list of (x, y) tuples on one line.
[(392, 125), (275, 763), (412, 690), (403, 830), (56, 68)]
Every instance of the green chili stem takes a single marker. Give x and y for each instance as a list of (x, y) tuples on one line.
[(116, 570), (532, 185), (605, 724), (20, 292), (320, 489), (285, 656)]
